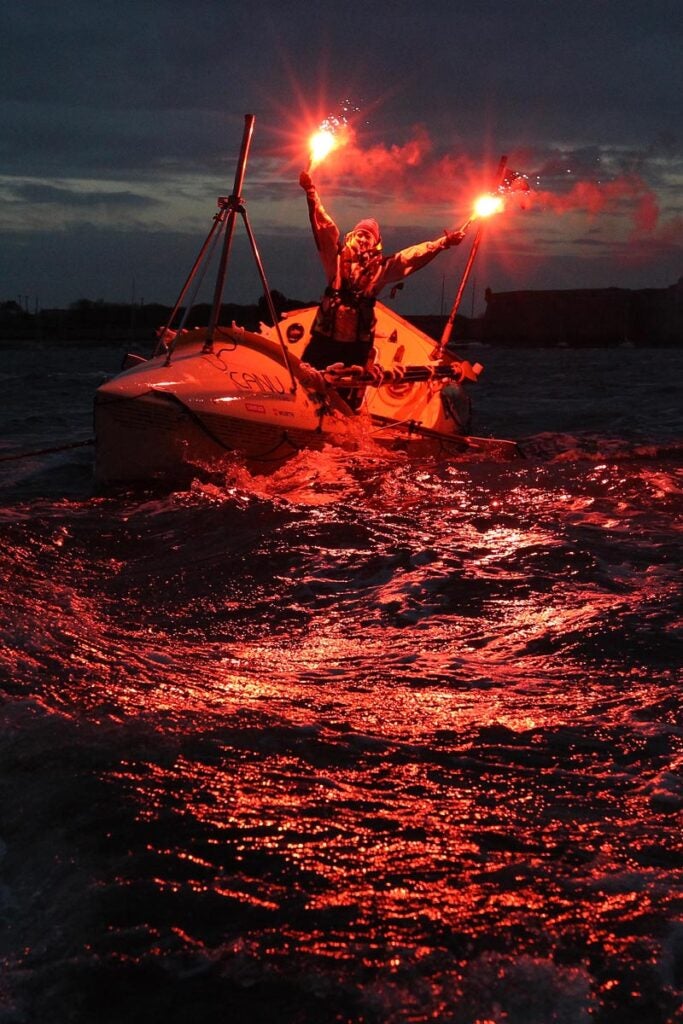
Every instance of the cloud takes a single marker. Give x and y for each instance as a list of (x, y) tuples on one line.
[(50, 195), (126, 115), (76, 141)]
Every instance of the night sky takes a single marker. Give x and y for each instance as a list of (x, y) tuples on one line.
[(121, 123)]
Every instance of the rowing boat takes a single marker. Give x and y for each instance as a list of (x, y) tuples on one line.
[(209, 392)]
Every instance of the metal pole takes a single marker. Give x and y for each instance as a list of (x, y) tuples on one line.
[(217, 220), (268, 297), (233, 203), (448, 328)]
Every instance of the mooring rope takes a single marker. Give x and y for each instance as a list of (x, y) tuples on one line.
[(46, 451)]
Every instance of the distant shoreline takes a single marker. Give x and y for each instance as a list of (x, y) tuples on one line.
[(145, 344), (571, 318)]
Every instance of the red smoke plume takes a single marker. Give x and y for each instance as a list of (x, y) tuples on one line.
[(410, 173), (596, 198), (413, 173)]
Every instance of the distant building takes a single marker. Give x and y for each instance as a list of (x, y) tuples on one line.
[(586, 316)]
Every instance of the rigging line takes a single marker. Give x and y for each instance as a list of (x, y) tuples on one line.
[(46, 451)]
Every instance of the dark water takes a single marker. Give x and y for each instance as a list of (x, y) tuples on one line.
[(366, 741)]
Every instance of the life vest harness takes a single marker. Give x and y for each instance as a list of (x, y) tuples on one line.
[(346, 312)]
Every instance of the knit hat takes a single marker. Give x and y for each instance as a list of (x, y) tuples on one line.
[(371, 226)]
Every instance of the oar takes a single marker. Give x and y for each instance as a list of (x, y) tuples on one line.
[(351, 377)]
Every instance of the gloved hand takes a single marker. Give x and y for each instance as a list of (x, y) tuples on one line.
[(306, 181), (454, 238), (334, 370), (376, 373), (311, 378)]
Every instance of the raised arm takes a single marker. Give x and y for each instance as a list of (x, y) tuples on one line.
[(415, 257), (325, 231)]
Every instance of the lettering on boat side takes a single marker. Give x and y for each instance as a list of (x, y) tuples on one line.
[(256, 382)]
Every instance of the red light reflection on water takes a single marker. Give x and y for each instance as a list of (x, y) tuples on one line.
[(447, 753)]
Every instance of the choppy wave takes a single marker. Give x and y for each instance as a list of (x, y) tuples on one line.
[(368, 742), (362, 741)]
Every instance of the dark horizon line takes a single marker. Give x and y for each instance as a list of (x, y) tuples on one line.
[(295, 303)]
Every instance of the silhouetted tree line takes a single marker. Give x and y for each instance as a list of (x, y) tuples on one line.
[(574, 317), (99, 321)]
